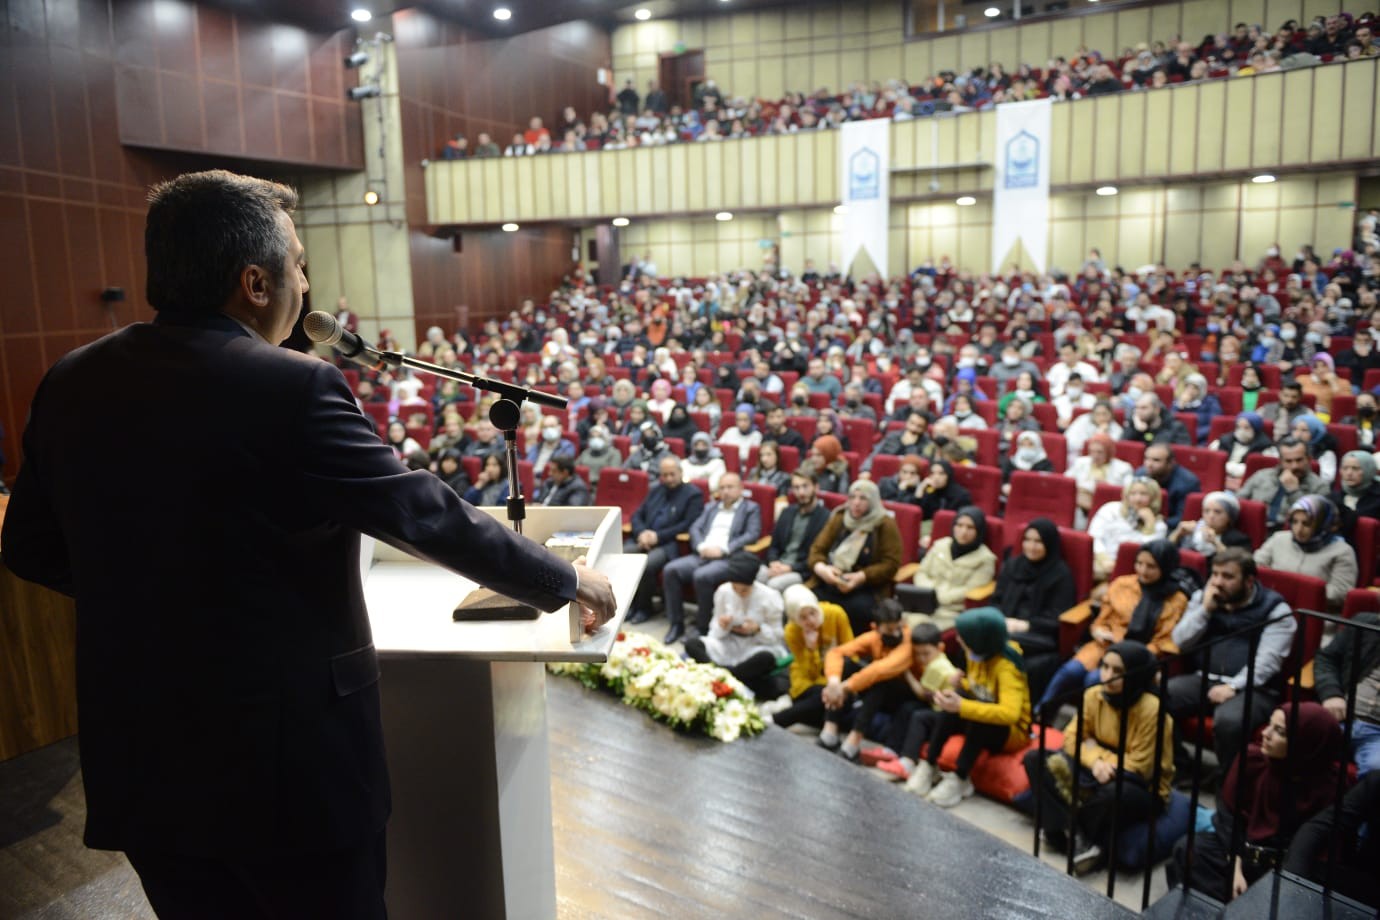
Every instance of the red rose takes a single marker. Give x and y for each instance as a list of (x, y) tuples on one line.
[(721, 689)]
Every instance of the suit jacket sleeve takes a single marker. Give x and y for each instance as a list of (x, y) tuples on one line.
[(639, 518), (700, 528), (752, 527), (351, 476)]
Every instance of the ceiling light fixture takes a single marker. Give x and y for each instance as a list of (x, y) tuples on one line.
[(510, 228), (643, 14), (724, 215), (361, 15), (1262, 179), (991, 12), (966, 201), (620, 221), (371, 198), (840, 209), (503, 14), (1106, 191)]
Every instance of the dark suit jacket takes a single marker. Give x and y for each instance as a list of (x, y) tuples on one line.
[(746, 527), (781, 534), (571, 493), (227, 681), (668, 513)]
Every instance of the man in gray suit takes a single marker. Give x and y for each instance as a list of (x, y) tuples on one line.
[(722, 529)]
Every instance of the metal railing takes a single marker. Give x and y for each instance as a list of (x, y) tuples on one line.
[(1199, 657)]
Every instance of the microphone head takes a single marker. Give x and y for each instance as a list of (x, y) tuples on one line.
[(321, 328)]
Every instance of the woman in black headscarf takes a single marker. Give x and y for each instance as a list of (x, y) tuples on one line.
[(940, 491), (726, 378), (1035, 586), (679, 425), (1087, 766)]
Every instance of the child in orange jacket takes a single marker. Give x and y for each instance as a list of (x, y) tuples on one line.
[(880, 684)]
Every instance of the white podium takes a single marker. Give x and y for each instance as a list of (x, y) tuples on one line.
[(464, 720)]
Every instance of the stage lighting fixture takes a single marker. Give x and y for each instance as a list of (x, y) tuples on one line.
[(371, 198), (503, 14), (643, 14), (356, 59), (724, 215), (361, 15), (368, 91), (620, 221), (510, 228), (965, 201), (1263, 179), (1106, 191)]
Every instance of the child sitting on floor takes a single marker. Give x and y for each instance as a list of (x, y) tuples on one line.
[(915, 719), (879, 684), (813, 629), (989, 704)]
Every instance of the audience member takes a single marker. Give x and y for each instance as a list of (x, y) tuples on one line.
[(797, 528), (954, 566), (746, 634), (670, 507), (856, 555), (725, 527), (1311, 545), (1279, 487)]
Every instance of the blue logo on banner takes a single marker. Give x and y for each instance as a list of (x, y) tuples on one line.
[(1022, 161), (864, 175)]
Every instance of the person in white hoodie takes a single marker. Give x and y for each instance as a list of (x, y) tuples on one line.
[(704, 461)]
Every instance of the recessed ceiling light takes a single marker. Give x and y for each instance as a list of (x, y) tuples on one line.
[(966, 201), (724, 215), (371, 197), (1262, 179), (509, 228), (643, 14), (361, 15), (1106, 191), (840, 209), (991, 12), (620, 221), (503, 14)]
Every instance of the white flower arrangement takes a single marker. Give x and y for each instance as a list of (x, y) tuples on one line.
[(685, 694)]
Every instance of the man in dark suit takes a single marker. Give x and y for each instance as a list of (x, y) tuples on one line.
[(723, 528), (562, 487), (227, 681), (789, 554), (670, 508)]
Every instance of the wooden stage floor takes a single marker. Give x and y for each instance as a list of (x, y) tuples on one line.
[(648, 823)]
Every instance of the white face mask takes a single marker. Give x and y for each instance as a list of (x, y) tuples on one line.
[(550, 434), (1010, 360), (597, 444)]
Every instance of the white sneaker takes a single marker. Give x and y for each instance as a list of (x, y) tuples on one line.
[(950, 791), (772, 707), (922, 780)]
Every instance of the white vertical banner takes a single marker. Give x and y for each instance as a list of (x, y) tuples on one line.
[(865, 165), (1020, 200)]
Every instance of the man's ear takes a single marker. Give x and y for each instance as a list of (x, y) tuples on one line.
[(257, 285)]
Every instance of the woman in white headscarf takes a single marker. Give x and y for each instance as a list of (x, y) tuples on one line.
[(1029, 456)]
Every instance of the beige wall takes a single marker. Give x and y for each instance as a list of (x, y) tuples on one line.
[(354, 250), (1212, 223), (769, 52)]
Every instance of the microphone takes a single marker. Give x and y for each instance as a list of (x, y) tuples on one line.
[(324, 329)]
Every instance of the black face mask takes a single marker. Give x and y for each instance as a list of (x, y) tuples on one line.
[(1365, 411), (891, 641), (799, 400)]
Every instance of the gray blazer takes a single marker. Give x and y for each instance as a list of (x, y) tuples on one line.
[(747, 524)]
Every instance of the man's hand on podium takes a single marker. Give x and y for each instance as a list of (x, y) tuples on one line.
[(595, 596)]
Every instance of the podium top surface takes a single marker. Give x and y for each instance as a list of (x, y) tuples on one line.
[(410, 605)]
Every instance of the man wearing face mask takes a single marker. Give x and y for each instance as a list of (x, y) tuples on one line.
[(1011, 366), (598, 453), (1074, 397), (650, 450), (1365, 421), (705, 461), (552, 445), (852, 405), (1359, 358)]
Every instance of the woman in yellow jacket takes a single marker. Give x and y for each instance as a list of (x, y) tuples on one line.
[(989, 705), (1127, 672), (812, 629)]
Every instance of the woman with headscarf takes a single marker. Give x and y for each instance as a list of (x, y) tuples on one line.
[(1215, 528), (1322, 446), (1029, 456), (940, 491), (680, 425), (1311, 545), (1086, 768), (1323, 384), (598, 453), (1193, 396), (726, 378), (813, 627), (1144, 607), (1248, 437), (660, 404), (743, 436), (1014, 419), (829, 463), (1356, 493), (827, 424), (1034, 586), (1100, 464), (955, 565), (703, 461), (1134, 519), (768, 470), (1283, 780), (856, 555), (989, 707), (746, 634)]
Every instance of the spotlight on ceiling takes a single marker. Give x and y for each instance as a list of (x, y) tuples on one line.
[(724, 215), (991, 12), (965, 201), (621, 221), (368, 91), (1106, 191), (371, 197), (503, 14), (361, 15), (643, 14), (1263, 179), (510, 228), (356, 59)]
